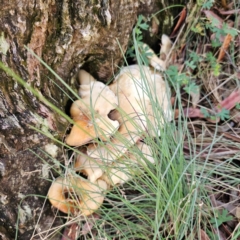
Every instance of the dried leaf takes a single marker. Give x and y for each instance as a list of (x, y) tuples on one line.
[(87, 227), (214, 18), (231, 101), (224, 47), (229, 12), (230, 136), (227, 104), (181, 19), (203, 235), (238, 212), (193, 112), (234, 195), (154, 26), (224, 4), (70, 232), (231, 208)]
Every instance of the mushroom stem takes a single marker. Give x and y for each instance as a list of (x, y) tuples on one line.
[(85, 130), (166, 46), (90, 167)]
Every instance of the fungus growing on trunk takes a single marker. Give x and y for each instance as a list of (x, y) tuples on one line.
[(92, 168), (90, 113), (144, 107), (126, 167), (165, 48), (86, 197), (135, 105)]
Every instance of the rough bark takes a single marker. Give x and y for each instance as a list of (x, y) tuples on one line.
[(67, 35)]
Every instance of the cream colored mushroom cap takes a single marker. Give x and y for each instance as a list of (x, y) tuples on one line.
[(92, 168), (85, 78), (90, 115), (87, 197), (144, 108)]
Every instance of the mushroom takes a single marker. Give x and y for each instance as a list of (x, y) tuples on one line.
[(92, 168), (158, 63), (137, 88), (154, 60), (87, 197), (125, 168), (165, 47), (85, 78), (90, 113)]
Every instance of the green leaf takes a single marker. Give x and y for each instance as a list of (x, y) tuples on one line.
[(144, 26), (141, 23), (216, 43), (172, 71), (208, 4), (210, 57), (140, 19), (237, 106), (228, 30), (205, 112), (139, 38), (216, 69), (138, 31), (195, 57), (190, 64), (224, 114), (131, 52), (192, 88), (223, 217), (183, 79)]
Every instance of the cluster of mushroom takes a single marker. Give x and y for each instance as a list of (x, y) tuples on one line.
[(110, 123)]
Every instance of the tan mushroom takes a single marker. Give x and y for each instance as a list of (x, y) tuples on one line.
[(125, 168), (92, 168), (159, 63), (90, 113), (85, 78), (154, 60), (165, 47), (135, 113), (86, 198), (145, 150)]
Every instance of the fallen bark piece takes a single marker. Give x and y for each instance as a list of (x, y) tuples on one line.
[(180, 22)]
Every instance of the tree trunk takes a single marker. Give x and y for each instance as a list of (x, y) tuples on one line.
[(67, 35)]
